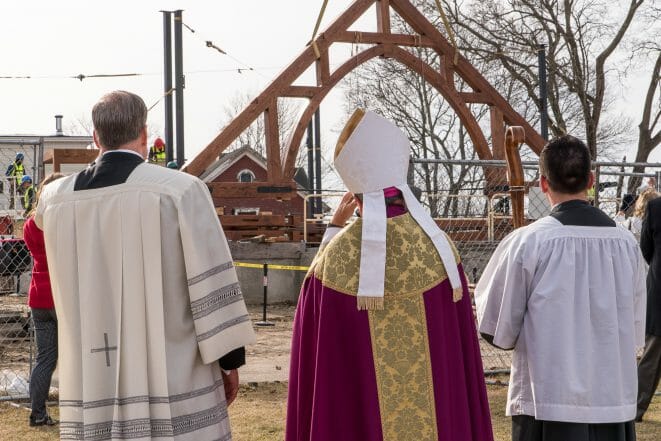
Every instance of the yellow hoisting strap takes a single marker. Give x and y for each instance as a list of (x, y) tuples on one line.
[(448, 29), (313, 42)]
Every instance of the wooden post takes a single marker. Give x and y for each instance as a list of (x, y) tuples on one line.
[(514, 137), (272, 135), (323, 69), (383, 16), (497, 133)]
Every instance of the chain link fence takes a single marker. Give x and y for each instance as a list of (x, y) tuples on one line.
[(476, 215), (16, 335)]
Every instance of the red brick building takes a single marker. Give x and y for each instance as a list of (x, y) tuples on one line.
[(246, 165)]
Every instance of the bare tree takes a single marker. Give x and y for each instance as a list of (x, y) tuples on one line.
[(83, 126), (581, 38), (649, 129), (254, 135), (433, 128)]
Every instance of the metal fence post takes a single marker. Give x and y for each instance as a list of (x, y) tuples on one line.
[(264, 322)]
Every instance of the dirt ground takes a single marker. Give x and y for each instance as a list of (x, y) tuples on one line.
[(260, 410), (268, 359)]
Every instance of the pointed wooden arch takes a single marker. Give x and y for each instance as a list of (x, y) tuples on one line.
[(385, 44)]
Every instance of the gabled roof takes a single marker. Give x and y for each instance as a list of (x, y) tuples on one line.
[(226, 160)]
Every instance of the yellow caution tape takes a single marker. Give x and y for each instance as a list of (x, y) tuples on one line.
[(289, 267), (249, 265), (271, 266)]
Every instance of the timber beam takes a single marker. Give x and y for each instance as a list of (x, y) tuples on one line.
[(453, 67), (252, 190)]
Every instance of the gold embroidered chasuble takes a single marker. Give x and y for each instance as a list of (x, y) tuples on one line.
[(398, 332)]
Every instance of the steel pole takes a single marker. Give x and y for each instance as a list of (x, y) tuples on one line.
[(310, 145), (317, 160), (167, 85), (543, 92), (179, 85)]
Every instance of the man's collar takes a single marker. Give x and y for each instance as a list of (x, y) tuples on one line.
[(568, 205), (124, 151)]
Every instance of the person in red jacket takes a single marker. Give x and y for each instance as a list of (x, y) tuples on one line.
[(40, 300)]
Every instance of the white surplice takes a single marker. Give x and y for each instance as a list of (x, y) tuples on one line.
[(147, 300), (570, 300)]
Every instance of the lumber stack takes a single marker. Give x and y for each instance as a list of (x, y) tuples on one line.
[(263, 227)]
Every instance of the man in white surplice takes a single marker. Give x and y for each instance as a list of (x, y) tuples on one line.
[(567, 294), (152, 321)]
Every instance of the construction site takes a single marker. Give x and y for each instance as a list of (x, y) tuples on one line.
[(274, 201)]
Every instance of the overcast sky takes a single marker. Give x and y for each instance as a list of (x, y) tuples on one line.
[(52, 40), (59, 39)]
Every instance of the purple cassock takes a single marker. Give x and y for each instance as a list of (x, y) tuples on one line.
[(411, 371)]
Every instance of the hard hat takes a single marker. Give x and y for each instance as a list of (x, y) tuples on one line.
[(158, 142), (26, 178), (173, 164), (19, 155)]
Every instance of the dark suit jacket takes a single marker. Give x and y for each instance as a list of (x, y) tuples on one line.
[(650, 245)]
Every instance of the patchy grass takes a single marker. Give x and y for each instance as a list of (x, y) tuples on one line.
[(14, 424), (259, 415), (650, 428)]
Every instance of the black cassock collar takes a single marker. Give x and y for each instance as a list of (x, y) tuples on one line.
[(113, 168), (580, 212)]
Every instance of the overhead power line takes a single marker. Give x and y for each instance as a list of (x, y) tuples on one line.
[(82, 77), (211, 45)]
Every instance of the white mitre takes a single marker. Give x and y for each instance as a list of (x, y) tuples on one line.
[(372, 154)]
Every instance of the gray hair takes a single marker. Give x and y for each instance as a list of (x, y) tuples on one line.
[(118, 118)]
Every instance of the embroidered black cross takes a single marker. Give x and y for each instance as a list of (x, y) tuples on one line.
[(105, 349)]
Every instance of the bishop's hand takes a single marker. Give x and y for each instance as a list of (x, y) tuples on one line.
[(345, 210)]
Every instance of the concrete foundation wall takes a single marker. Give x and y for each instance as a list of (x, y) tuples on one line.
[(283, 285)]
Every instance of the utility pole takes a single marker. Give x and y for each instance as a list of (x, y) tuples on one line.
[(317, 159), (543, 117), (310, 146), (179, 82), (167, 84)]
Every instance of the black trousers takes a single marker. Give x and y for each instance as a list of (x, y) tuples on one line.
[(45, 327), (527, 428), (649, 373)]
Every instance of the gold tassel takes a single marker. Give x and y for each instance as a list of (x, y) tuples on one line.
[(370, 303), (457, 294)]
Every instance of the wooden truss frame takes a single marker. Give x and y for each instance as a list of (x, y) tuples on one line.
[(281, 168), (57, 157)]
